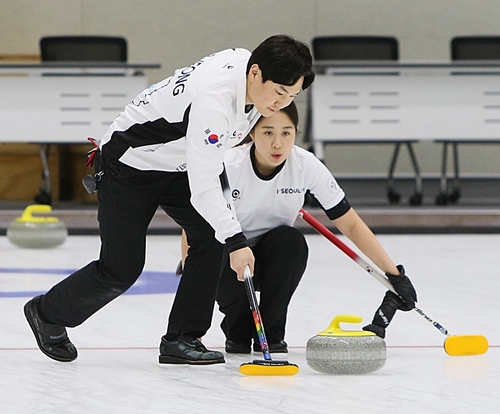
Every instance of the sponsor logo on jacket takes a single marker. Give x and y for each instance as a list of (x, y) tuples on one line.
[(235, 194), (289, 190)]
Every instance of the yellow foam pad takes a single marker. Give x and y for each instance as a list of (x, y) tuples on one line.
[(269, 368), (466, 345)]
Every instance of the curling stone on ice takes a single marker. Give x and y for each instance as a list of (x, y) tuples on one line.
[(335, 351), (37, 232)]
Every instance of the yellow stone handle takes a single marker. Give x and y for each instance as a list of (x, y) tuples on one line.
[(335, 330), (27, 216)]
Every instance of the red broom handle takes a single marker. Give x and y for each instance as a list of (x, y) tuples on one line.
[(377, 274)]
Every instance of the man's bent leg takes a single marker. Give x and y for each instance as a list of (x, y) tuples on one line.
[(125, 210)]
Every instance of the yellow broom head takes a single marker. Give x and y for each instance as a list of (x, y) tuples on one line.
[(466, 345), (269, 368)]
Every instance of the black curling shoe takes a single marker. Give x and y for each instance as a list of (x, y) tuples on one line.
[(52, 339), (237, 348), (280, 347), (188, 350)]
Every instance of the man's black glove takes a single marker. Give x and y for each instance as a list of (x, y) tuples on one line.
[(402, 285), (384, 314)]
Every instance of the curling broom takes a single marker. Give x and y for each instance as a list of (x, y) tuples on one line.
[(266, 366), (454, 345)]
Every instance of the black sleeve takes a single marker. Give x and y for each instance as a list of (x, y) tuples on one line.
[(238, 241), (339, 210)]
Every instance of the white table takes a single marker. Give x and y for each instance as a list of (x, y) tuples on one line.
[(403, 103), (62, 103)]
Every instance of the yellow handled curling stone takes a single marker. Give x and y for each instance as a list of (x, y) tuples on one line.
[(337, 351), (35, 232)]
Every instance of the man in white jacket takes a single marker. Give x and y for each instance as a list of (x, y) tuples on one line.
[(166, 149)]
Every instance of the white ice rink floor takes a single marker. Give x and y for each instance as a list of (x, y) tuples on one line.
[(117, 371)]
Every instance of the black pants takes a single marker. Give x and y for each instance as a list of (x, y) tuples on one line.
[(280, 261), (128, 199)]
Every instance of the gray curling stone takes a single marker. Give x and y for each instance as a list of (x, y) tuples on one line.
[(37, 232), (335, 351)]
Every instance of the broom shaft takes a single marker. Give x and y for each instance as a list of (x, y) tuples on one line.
[(320, 228), (254, 307)]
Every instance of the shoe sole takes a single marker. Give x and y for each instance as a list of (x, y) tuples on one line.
[(165, 359), (27, 314)]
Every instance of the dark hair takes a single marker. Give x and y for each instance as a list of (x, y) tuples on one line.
[(292, 113), (283, 60)]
